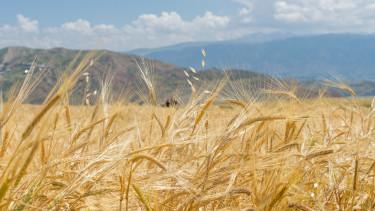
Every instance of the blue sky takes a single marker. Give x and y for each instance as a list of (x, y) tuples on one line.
[(124, 24), (118, 12)]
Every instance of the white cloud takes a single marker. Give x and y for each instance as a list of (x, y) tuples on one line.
[(166, 28), (172, 22), (165, 22), (170, 27), (85, 27), (27, 24), (245, 12), (290, 12), (370, 7), (330, 12), (210, 20), (79, 25), (105, 28), (148, 30), (309, 16)]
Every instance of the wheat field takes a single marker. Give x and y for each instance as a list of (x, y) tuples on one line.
[(284, 154)]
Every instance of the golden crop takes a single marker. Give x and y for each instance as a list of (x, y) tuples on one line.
[(284, 154)]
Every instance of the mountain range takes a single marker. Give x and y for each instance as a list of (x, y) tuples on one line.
[(169, 80), (346, 56), (255, 60)]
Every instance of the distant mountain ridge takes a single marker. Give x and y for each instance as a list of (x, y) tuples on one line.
[(123, 68), (253, 38), (350, 56)]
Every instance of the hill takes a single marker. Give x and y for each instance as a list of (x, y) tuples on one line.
[(169, 80), (349, 56), (122, 68)]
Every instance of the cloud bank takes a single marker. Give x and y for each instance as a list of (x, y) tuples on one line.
[(166, 28), (148, 30)]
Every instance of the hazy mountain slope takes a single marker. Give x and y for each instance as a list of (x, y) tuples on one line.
[(346, 55), (252, 38), (147, 51), (169, 79), (364, 88), (123, 69)]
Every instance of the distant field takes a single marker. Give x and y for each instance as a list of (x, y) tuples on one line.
[(284, 154)]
